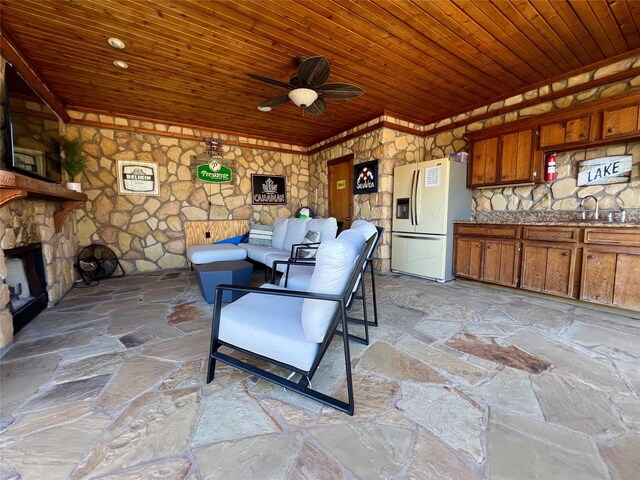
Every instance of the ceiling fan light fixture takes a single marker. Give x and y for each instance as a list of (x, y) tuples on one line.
[(303, 97), (120, 64), (264, 109)]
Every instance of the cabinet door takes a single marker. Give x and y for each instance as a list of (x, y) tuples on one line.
[(553, 134), (501, 262), (516, 159), (484, 161), (548, 269), (577, 130), (620, 121), (611, 278), (469, 258)]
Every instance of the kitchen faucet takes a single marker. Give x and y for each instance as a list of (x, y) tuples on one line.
[(584, 214)]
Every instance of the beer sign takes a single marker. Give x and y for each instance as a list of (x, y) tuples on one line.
[(137, 178), (214, 172)]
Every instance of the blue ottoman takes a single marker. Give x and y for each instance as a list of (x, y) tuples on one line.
[(210, 275)]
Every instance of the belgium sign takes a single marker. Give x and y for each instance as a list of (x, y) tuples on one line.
[(214, 172)]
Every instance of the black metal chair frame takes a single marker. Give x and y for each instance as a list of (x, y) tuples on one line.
[(302, 386), (369, 264)]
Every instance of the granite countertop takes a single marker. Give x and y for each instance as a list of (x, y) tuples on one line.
[(561, 223)]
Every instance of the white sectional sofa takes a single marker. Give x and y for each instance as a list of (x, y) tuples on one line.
[(286, 233)]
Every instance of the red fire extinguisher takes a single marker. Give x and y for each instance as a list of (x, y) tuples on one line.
[(550, 167)]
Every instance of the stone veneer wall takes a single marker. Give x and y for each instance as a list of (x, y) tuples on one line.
[(147, 232), (391, 148)]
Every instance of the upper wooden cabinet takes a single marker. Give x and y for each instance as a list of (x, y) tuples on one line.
[(620, 121), (484, 166), (576, 130), (513, 153), (504, 159)]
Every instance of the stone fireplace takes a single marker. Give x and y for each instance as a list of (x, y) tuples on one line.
[(34, 212), (27, 283)]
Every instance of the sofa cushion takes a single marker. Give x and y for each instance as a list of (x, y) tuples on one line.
[(367, 229), (200, 254), (296, 230), (334, 264), (328, 227), (259, 253), (268, 325), (260, 234), (279, 231)]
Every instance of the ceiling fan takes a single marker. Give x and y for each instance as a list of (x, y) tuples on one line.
[(307, 87)]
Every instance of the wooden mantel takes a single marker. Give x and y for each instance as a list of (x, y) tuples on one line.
[(14, 185)]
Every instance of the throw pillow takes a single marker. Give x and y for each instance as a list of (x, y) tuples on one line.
[(310, 237), (260, 234)]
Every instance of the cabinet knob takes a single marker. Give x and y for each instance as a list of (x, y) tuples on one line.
[(582, 135), (565, 254), (590, 257), (611, 129), (489, 247)]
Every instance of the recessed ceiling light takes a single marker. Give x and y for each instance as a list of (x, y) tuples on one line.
[(264, 109), (120, 64), (116, 43)]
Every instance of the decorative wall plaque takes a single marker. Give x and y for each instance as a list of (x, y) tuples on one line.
[(365, 177), (604, 170), (137, 178), (268, 189)]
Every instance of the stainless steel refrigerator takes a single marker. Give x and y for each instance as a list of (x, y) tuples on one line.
[(427, 198)]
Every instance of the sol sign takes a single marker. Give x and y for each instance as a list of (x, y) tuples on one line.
[(214, 172)]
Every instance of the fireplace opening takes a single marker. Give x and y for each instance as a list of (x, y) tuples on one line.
[(27, 283)]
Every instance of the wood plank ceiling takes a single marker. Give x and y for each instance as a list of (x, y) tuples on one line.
[(416, 59)]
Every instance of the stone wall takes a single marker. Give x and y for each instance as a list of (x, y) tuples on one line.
[(147, 232), (391, 148)]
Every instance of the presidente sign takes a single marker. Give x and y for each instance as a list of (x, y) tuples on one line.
[(214, 172)]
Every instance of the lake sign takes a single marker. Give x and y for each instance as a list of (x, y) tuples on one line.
[(605, 170)]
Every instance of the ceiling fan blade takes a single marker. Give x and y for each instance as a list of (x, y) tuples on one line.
[(314, 71), (316, 108), (339, 91), (271, 102), (272, 81)]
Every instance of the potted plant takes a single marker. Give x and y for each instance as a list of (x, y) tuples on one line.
[(71, 157)]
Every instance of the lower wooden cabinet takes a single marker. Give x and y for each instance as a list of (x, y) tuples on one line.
[(549, 269), (469, 258), (600, 265), (501, 262), (611, 277)]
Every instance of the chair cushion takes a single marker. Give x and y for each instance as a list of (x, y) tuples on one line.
[(279, 231), (268, 325), (299, 277), (335, 261), (296, 230), (328, 227), (367, 229), (199, 254), (260, 234)]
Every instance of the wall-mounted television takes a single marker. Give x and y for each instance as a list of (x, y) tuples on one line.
[(27, 125)]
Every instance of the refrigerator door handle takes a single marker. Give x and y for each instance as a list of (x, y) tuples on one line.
[(411, 199), (415, 197), (421, 237)]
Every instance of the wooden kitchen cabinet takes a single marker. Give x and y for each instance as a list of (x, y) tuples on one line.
[(468, 254), (484, 164), (501, 262), (516, 157), (621, 121), (611, 268), (563, 133), (548, 268)]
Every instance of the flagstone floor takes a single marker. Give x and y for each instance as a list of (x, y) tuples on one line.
[(460, 381)]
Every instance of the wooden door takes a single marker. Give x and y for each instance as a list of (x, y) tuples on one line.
[(484, 161), (469, 258), (340, 173), (516, 159)]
